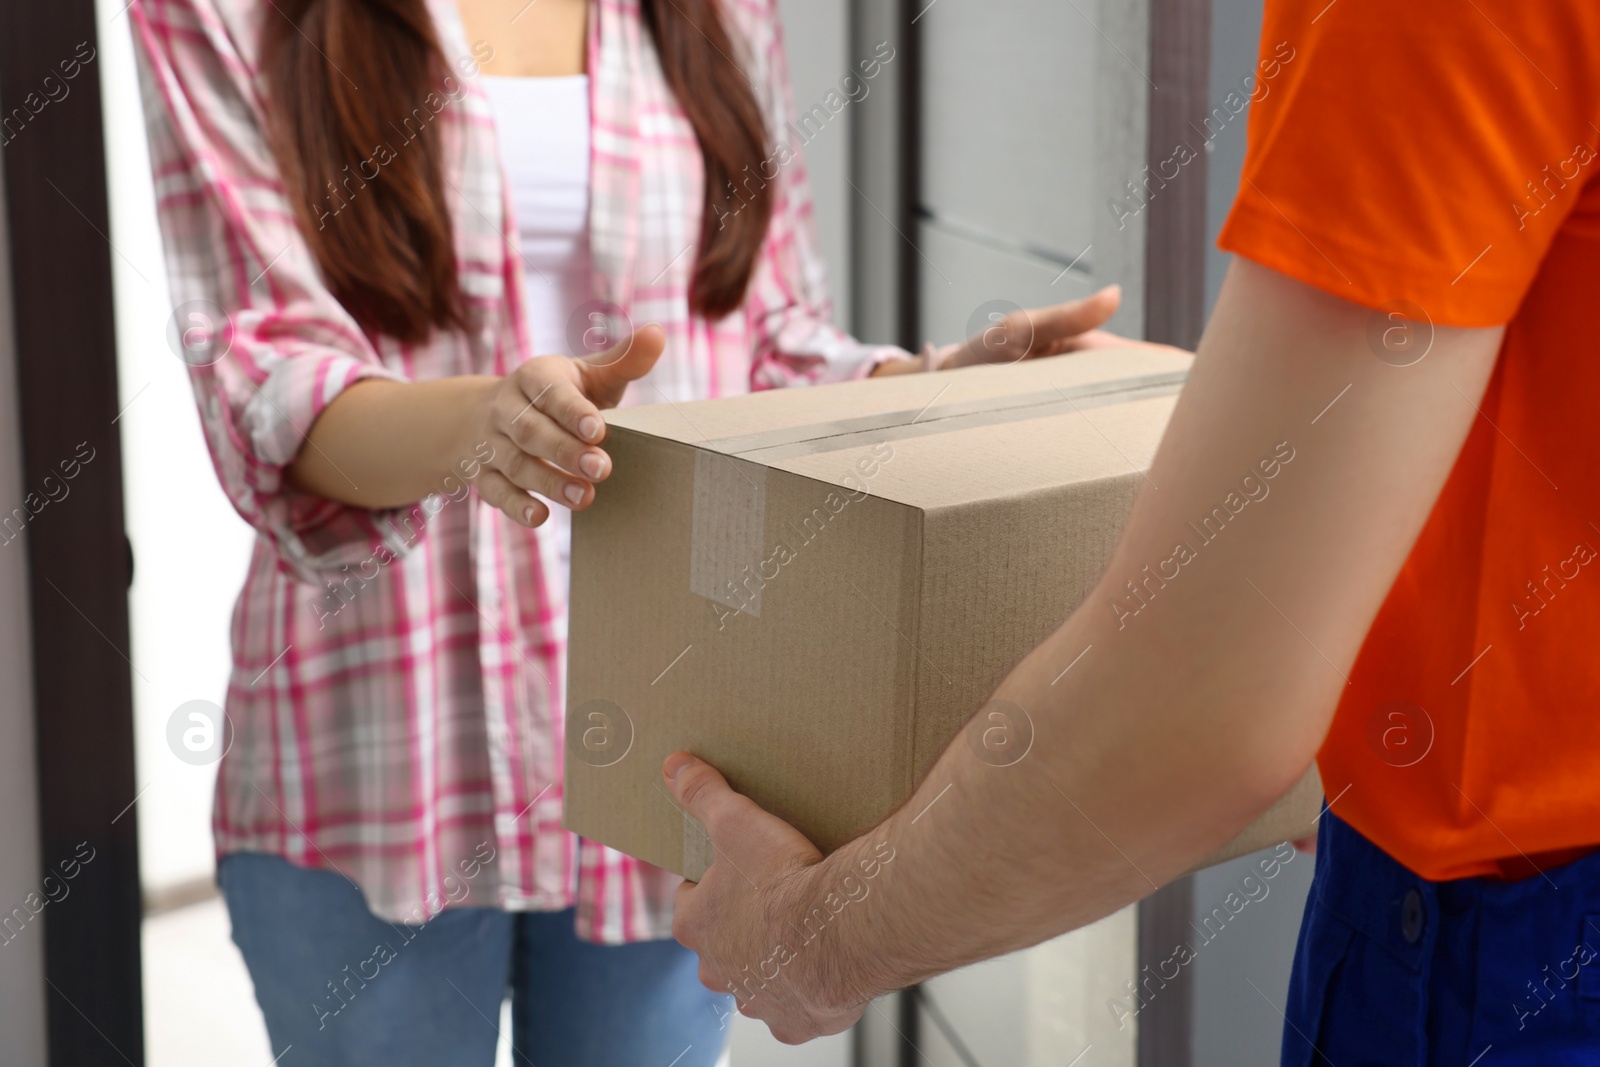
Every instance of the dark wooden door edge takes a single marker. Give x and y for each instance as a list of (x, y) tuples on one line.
[(1175, 308), (59, 226), (1175, 241), (910, 154)]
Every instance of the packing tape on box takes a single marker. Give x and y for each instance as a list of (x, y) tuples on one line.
[(771, 446), (728, 526), (729, 514), (697, 850)]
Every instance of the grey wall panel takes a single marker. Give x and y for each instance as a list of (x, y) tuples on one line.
[(961, 274), (1121, 132), (818, 35), (1165, 1021), (1034, 121), (1235, 44), (1241, 975), (879, 205), (1009, 98), (22, 1036)]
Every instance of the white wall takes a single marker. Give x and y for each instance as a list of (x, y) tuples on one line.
[(1037, 1008), (189, 547), (21, 959)]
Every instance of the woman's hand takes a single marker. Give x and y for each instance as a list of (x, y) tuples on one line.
[(1052, 331), (543, 427), (1040, 332), (383, 443)]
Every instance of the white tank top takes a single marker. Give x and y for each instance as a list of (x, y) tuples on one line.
[(543, 128)]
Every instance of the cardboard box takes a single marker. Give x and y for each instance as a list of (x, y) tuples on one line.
[(815, 589)]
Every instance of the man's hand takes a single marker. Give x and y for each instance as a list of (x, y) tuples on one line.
[(745, 916)]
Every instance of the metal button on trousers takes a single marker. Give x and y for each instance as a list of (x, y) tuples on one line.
[(1411, 916)]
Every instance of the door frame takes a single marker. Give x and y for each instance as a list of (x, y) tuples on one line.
[(79, 560)]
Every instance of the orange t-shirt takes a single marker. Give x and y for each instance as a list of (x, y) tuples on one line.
[(1441, 156)]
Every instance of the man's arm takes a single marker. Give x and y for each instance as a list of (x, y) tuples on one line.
[(1177, 726)]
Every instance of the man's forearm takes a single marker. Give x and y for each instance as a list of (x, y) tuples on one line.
[(989, 859)]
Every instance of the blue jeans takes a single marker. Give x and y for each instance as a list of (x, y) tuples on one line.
[(1393, 970), (346, 989)]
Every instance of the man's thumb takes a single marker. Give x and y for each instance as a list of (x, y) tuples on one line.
[(698, 787)]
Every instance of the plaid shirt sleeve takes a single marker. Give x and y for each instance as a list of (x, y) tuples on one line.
[(268, 346), (795, 341)]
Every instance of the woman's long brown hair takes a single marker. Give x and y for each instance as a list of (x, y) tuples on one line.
[(355, 89)]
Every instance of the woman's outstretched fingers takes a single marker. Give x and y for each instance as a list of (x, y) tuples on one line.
[(498, 491), (533, 474), (1062, 327), (538, 431), (562, 400), (549, 441), (1037, 332)]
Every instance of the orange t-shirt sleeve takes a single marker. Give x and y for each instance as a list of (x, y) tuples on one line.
[(1419, 150)]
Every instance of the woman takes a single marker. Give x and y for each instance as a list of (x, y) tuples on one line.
[(329, 179)]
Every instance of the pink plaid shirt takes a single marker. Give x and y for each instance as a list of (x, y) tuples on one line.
[(397, 690)]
